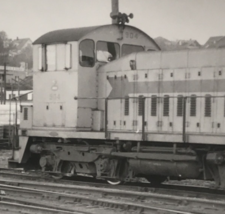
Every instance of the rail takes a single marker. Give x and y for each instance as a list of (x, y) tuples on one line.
[(126, 199)]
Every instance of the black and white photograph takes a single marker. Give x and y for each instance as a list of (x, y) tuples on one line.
[(112, 106)]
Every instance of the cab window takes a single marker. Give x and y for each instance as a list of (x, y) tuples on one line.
[(86, 53), (56, 57), (51, 57), (107, 51), (128, 49)]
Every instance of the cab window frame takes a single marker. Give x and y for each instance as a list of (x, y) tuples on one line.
[(130, 45), (94, 53), (43, 57), (119, 53)]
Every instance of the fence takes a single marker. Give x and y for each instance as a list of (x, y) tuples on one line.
[(8, 119), (8, 114)]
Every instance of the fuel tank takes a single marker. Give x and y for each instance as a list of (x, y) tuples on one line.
[(188, 169)]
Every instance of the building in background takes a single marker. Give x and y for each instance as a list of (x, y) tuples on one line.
[(19, 45), (215, 42), (12, 73), (18, 82)]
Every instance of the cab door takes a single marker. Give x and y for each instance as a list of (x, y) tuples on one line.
[(54, 115)]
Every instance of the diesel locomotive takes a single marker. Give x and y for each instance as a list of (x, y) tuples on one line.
[(108, 103)]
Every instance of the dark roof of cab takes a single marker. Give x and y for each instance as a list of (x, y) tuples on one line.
[(64, 35), (75, 34)]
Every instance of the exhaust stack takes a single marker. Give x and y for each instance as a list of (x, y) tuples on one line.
[(117, 17), (115, 11)]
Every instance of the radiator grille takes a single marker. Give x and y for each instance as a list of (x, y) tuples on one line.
[(140, 105), (208, 106), (25, 114), (193, 106), (126, 106), (166, 106), (154, 106), (180, 106)]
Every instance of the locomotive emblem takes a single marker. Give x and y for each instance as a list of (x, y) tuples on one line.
[(54, 85)]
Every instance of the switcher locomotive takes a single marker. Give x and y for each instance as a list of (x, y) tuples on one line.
[(108, 103)]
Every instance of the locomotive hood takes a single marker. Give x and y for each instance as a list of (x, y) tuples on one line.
[(122, 64)]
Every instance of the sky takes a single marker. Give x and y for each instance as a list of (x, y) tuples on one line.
[(171, 19)]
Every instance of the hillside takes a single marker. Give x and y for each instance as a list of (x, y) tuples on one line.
[(168, 45), (212, 42), (14, 52)]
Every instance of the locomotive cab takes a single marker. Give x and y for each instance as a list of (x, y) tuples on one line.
[(66, 63), (66, 82)]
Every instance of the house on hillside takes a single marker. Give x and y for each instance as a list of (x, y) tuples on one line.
[(188, 44), (221, 43), (165, 44), (19, 45), (7, 42), (215, 42)]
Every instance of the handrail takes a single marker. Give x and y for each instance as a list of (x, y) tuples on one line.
[(143, 118), (184, 119), (106, 118)]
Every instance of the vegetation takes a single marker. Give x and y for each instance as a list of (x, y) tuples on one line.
[(12, 54)]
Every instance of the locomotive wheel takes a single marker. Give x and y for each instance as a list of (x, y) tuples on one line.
[(156, 179), (65, 168), (114, 182), (57, 177)]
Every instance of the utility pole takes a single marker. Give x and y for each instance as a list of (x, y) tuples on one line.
[(4, 82), (1, 92)]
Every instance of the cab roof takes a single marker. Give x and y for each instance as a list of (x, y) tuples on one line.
[(75, 34), (64, 35)]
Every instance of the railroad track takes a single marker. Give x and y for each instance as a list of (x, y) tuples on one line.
[(143, 202), (175, 189), (20, 206), (142, 197), (88, 203)]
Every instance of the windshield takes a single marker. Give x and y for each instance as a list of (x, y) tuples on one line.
[(107, 51), (86, 53), (128, 49)]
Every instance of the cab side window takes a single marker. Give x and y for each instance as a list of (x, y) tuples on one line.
[(86, 53), (55, 57), (107, 51), (128, 49)]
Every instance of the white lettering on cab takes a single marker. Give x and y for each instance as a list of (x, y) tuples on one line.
[(54, 97)]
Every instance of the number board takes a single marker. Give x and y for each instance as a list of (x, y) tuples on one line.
[(130, 35)]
